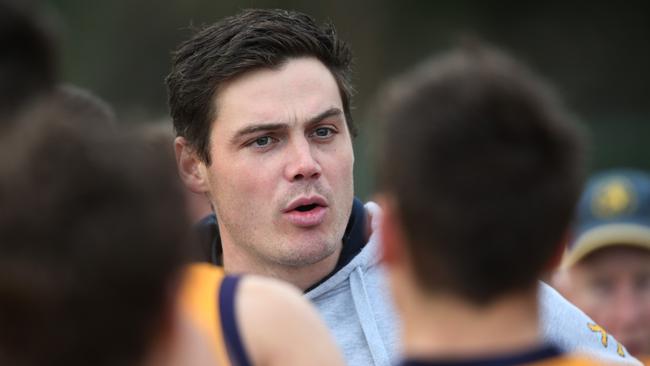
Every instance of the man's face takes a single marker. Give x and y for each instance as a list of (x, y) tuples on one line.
[(612, 286), (280, 176)]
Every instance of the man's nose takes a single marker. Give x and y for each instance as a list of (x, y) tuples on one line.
[(302, 164)]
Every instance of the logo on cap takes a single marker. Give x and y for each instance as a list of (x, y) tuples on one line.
[(613, 198)]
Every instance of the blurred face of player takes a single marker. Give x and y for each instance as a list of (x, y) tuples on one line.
[(280, 177), (612, 286)]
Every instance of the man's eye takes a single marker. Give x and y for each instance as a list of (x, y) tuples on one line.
[(262, 141), (323, 132)]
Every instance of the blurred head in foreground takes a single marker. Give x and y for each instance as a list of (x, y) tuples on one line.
[(480, 169), (91, 242)]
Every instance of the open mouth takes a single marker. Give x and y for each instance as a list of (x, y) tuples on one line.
[(306, 208), (306, 204), (307, 212)]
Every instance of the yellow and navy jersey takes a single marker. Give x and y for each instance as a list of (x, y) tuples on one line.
[(547, 355), (208, 296)]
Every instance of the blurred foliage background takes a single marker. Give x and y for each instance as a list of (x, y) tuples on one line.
[(597, 54)]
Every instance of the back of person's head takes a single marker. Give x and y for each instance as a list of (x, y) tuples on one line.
[(27, 62), (92, 228), (485, 167), (250, 40)]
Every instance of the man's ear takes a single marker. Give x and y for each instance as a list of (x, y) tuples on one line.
[(190, 167), (392, 248)]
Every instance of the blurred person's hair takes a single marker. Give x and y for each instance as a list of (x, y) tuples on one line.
[(27, 61), (485, 166), (159, 135), (92, 232), (250, 40), (83, 104)]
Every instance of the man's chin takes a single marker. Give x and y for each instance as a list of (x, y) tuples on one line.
[(309, 255)]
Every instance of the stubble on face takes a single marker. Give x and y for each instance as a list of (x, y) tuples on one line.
[(290, 247)]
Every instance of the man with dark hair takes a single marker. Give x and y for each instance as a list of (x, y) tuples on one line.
[(93, 234), (480, 171), (261, 108), (27, 60)]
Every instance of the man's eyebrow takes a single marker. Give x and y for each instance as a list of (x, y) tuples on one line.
[(250, 129), (332, 112), (264, 127)]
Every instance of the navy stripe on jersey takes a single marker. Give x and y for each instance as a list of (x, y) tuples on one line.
[(232, 338), (537, 354)]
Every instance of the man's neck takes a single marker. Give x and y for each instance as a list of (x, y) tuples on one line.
[(303, 277), (445, 327)]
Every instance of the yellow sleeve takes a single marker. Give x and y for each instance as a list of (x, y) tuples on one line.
[(199, 296)]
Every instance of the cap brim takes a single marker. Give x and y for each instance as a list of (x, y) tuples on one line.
[(605, 236)]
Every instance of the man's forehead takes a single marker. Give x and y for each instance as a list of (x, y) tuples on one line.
[(300, 88)]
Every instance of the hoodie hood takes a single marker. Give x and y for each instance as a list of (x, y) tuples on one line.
[(355, 303)]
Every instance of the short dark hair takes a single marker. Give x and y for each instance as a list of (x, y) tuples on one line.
[(27, 61), (250, 40), (92, 232), (486, 167)]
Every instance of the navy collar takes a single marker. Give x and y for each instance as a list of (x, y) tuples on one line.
[(540, 353), (354, 239)]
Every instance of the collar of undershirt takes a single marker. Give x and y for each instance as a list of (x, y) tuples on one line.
[(537, 354)]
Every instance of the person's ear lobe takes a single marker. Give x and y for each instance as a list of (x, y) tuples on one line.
[(392, 237), (190, 167)]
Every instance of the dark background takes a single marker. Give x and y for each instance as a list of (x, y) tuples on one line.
[(596, 54)]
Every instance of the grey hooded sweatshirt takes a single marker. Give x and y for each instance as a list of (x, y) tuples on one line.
[(355, 303)]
